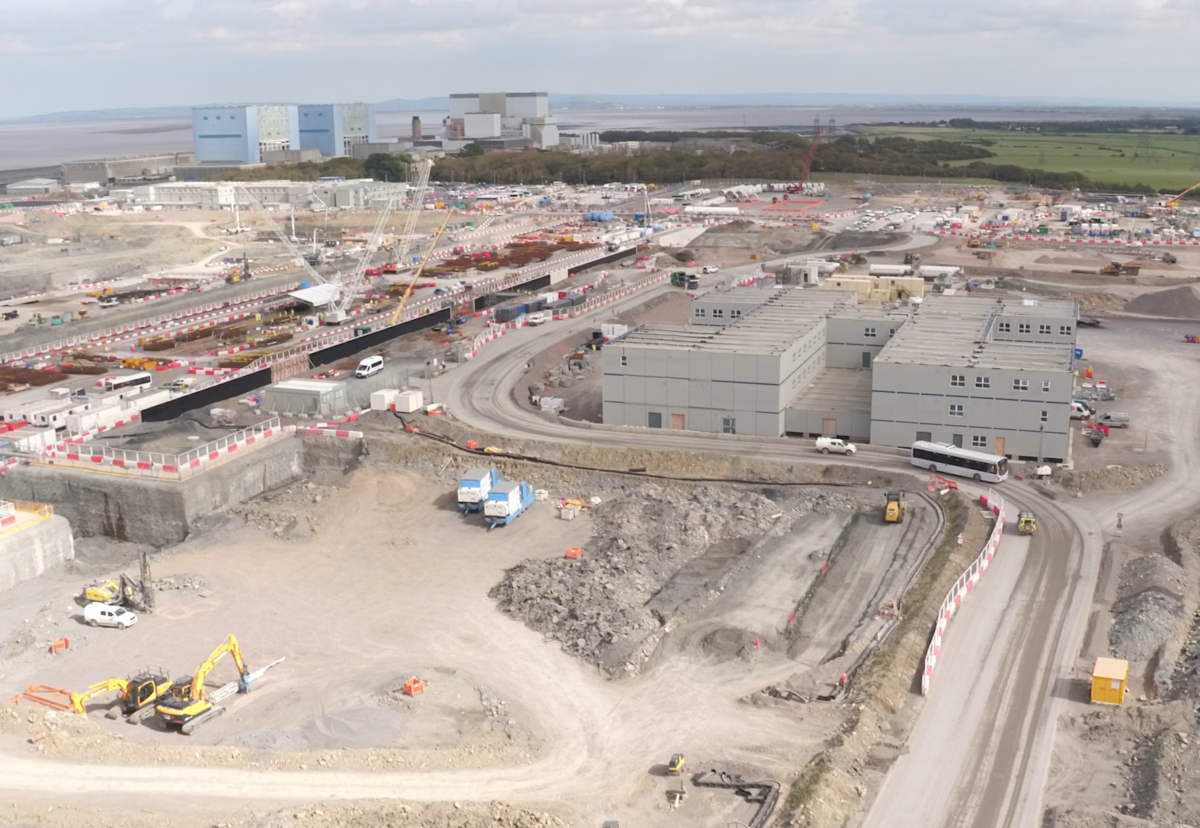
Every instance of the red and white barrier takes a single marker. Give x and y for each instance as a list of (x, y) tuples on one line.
[(962, 587)]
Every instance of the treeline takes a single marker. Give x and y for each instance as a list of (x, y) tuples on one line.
[(847, 154), (1186, 126), (304, 171)]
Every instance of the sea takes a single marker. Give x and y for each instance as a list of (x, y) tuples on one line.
[(31, 145)]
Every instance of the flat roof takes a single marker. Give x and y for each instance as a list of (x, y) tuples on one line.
[(751, 297), (771, 328), (836, 389), (957, 331), (1111, 668), (317, 295), (306, 385)]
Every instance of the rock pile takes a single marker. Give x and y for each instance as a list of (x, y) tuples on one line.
[(1149, 610), (180, 582), (596, 606)]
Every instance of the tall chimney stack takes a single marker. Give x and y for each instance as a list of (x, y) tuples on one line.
[(416, 128)]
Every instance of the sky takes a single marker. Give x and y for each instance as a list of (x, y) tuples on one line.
[(97, 54)]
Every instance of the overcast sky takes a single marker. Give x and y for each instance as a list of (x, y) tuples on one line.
[(93, 54)]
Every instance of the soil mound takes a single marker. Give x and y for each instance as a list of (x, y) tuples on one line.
[(1150, 607), (735, 226), (1180, 303)]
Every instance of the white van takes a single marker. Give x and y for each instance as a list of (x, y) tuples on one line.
[(1081, 410), (1115, 419), (369, 367), (103, 615), (836, 445), (536, 318)]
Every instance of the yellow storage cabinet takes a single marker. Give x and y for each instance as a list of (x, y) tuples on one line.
[(1109, 676)]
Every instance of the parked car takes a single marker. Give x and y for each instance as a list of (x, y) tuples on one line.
[(709, 269), (836, 445), (1115, 419), (104, 615), (536, 318)]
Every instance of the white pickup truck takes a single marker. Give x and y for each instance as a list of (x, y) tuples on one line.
[(536, 318)]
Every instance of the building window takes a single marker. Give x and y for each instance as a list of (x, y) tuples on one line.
[(1005, 327), (1045, 416), (206, 117), (891, 332), (956, 410), (728, 425), (624, 360), (1024, 328), (1044, 329), (1064, 330), (978, 441), (735, 313), (700, 313), (654, 419), (718, 313), (924, 436), (958, 380), (1045, 386), (1020, 385), (983, 382), (869, 332)]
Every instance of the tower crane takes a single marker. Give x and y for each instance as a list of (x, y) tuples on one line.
[(350, 282)]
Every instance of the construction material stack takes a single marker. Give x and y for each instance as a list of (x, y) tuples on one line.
[(475, 487), (506, 501)]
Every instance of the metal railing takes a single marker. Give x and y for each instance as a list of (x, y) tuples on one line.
[(190, 315), (166, 466)]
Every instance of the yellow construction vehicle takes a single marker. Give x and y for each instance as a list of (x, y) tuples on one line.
[(110, 592), (896, 508), (138, 693), (1026, 523), (1174, 202), (675, 766), (188, 707)]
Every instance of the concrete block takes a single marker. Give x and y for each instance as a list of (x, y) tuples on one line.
[(28, 552)]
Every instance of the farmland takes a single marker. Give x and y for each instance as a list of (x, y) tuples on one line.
[(1172, 164)]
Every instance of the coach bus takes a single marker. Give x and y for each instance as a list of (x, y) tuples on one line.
[(948, 459), (134, 382)]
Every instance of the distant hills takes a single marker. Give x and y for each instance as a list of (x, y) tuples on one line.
[(566, 102)]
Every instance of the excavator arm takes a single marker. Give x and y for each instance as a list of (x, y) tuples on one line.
[(229, 646), (78, 700)]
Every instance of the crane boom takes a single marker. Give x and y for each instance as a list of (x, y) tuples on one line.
[(352, 281), (420, 268), (288, 244), (1174, 202)]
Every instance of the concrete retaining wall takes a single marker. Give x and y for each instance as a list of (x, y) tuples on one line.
[(31, 551), (161, 513)]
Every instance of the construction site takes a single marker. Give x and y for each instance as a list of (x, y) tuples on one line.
[(454, 596)]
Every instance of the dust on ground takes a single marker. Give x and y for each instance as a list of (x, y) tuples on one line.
[(737, 240), (1111, 477), (580, 382), (1181, 302), (1140, 763)]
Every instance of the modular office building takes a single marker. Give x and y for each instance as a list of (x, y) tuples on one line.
[(994, 375)]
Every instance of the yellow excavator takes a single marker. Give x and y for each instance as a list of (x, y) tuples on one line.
[(188, 707), (138, 693), (896, 508)]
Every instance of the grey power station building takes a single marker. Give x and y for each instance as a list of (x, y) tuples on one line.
[(995, 375)]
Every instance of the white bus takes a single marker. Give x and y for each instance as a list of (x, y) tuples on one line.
[(948, 459), (133, 382)]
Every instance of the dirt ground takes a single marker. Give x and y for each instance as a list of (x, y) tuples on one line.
[(584, 395), (361, 601)]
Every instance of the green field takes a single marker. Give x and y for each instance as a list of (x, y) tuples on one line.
[(1172, 165)]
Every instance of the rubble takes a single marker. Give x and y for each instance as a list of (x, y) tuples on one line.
[(598, 607), (1149, 607)]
